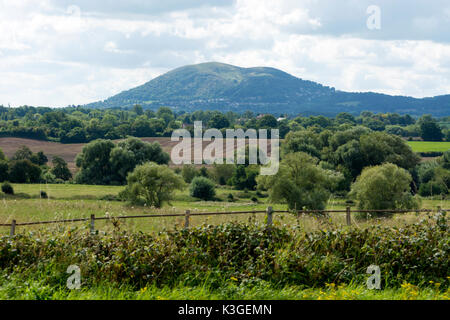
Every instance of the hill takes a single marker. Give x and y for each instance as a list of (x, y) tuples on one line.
[(218, 86)]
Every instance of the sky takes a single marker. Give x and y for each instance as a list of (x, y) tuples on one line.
[(69, 52)]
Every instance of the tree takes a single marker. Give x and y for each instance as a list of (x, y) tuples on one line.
[(434, 176), (301, 182), (219, 121), (94, 162), (222, 173), (39, 158), (142, 128), (202, 188), (302, 141), (23, 153), (24, 171), (429, 129), (4, 168), (244, 177), (138, 110), (267, 122), (132, 152), (384, 187), (60, 169), (189, 172), (152, 184)]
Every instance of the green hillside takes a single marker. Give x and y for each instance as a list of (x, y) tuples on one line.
[(218, 86)]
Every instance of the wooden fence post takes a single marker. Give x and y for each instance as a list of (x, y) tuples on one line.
[(187, 217), (349, 216), (92, 225), (13, 228), (269, 216)]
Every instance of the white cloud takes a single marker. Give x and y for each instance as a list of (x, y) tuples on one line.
[(74, 52)]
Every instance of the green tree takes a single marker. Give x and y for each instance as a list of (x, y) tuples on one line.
[(244, 177), (4, 168), (384, 187), (132, 152), (152, 185), (138, 110), (222, 173), (202, 188), (219, 121), (24, 171), (429, 129), (267, 122), (23, 153), (189, 172), (300, 182), (94, 163), (60, 169)]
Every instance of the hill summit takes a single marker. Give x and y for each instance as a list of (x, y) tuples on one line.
[(218, 86)]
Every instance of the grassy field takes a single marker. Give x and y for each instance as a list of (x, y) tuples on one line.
[(78, 201), (425, 146), (261, 291)]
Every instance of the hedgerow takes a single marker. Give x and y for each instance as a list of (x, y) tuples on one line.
[(416, 254)]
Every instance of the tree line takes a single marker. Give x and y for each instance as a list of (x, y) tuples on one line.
[(82, 125), (376, 168)]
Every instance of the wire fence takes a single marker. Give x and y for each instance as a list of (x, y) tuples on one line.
[(188, 214)]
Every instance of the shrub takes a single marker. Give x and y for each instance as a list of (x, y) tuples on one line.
[(432, 188), (7, 188), (189, 172), (417, 254), (152, 185), (230, 197), (4, 167), (44, 195), (384, 187), (202, 188), (24, 171), (300, 182)]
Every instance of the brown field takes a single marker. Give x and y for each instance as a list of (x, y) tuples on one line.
[(69, 151)]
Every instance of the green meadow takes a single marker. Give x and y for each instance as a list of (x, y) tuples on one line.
[(426, 146)]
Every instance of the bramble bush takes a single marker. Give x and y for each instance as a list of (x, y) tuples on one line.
[(416, 254)]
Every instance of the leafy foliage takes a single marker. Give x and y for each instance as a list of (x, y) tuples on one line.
[(202, 188), (417, 254), (301, 182), (103, 162), (152, 185), (7, 188), (384, 187)]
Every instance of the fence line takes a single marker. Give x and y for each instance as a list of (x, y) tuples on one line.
[(188, 214)]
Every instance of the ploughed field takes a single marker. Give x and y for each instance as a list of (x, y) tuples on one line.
[(69, 151)]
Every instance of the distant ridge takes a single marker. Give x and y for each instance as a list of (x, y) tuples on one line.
[(218, 86)]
